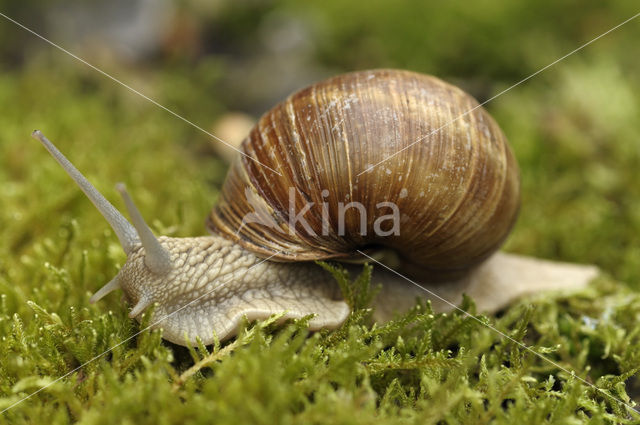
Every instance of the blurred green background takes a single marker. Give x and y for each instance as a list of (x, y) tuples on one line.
[(575, 128)]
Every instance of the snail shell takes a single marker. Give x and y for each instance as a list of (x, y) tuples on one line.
[(450, 172)]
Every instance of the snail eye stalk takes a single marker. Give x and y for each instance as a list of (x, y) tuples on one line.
[(156, 258), (124, 230)]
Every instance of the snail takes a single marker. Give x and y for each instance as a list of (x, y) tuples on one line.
[(387, 163)]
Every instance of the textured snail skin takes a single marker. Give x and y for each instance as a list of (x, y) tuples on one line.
[(214, 283)]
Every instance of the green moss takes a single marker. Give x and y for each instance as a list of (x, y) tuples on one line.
[(422, 367)]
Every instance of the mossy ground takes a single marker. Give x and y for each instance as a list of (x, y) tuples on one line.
[(575, 133)]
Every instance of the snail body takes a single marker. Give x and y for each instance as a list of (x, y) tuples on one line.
[(374, 162)]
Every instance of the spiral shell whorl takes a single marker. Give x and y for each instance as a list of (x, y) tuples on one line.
[(457, 190)]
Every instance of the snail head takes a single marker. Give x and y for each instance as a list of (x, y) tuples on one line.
[(149, 271)]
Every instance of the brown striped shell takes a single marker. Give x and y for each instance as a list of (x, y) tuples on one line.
[(457, 189)]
